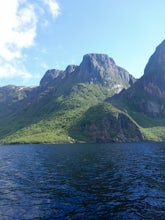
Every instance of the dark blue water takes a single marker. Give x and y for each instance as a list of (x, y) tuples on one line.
[(105, 181)]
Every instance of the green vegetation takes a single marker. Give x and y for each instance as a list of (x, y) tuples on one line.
[(153, 129), (58, 117), (105, 123), (93, 114), (76, 105)]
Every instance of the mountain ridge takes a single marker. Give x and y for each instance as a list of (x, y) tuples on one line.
[(96, 101), (147, 95), (61, 96)]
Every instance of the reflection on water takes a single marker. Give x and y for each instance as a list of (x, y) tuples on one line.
[(113, 181)]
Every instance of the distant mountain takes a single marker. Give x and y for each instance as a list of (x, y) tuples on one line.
[(51, 111), (10, 96)]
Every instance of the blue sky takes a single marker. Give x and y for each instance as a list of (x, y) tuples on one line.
[(44, 34)]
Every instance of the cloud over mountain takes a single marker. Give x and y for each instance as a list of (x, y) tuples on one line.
[(18, 27)]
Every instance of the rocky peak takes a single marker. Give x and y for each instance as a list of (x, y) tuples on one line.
[(147, 95), (154, 72), (97, 63), (94, 60), (157, 60), (99, 68), (94, 69), (50, 75), (70, 69)]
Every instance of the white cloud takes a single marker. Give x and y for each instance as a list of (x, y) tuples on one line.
[(53, 7), (44, 65), (13, 69), (18, 29), (18, 24)]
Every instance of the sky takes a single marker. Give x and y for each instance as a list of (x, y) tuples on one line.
[(37, 35)]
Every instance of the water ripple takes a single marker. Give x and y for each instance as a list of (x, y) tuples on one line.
[(109, 181)]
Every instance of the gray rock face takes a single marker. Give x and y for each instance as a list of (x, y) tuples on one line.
[(70, 69), (94, 69), (154, 73), (125, 76), (156, 62), (99, 68), (50, 75), (153, 82), (110, 127), (11, 97), (12, 93), (147, 95)]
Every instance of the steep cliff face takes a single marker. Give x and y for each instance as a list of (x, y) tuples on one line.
[(154, 73), (147, 95), (104, 123), (155, 66), (99, 68), (153, 83), (114, 128)]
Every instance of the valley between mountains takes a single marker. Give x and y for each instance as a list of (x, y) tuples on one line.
[(94, 102)]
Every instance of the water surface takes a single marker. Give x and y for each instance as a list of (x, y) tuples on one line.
[(81, 181)]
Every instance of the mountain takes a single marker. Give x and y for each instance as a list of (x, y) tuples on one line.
[(96, 101), (105, 123), (94, 69), (11, 97), (147, 95), (51, 111), (145, 99)]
